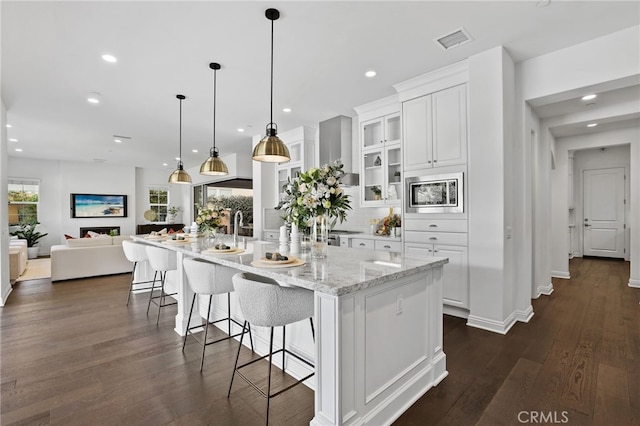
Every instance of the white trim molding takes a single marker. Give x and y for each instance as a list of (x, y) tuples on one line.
[(565, 275), (524, 316), (544, 290), (634, 283), (501, 327)]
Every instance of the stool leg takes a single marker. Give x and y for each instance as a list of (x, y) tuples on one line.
[(235, 366), (283, 346), (229, 312), (133, 274), (186, 332), (153, 286), (313, 331), (269, 379), (250, 338), (206, 329), (163, 274)]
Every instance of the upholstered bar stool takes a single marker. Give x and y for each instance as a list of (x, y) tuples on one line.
[(265, 303), (135, 252), (162, 261), (209, 279)]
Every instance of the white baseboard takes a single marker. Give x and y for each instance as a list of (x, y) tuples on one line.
[(524, 316), (544, 290), (565, 275), (634, 283), (501, 327), (5, 297), (455, 311)]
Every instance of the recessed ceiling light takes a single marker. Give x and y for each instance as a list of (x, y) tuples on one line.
[(18, 149), (240, 129), (286, 109), (589, 97), (177, 158), (165, 164), (543, 3), (8, 125), (194, 151), (94, 98), (370, 74), (117, 140), (109, 58), (13, 140), (592, 125)]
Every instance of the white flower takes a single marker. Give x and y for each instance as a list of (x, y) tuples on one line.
[(331, 181)]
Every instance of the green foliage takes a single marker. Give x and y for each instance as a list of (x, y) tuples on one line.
[(22, 196), (28, 232), (244, 203)]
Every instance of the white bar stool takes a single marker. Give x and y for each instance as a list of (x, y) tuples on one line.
[(162, 261), (135, 252), (208, 279), (265, 303)]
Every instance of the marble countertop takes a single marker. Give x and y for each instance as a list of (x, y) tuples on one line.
[(343, 271)]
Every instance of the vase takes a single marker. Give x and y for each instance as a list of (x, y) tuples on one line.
[(320, 237)]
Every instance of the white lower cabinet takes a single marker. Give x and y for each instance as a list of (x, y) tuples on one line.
[(455, 278)]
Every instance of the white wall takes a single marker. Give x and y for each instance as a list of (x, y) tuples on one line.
[(5, 285)]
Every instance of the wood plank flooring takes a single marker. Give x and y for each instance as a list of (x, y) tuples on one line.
[(73, 354)]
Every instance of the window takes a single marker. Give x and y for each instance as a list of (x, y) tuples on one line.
[(23, 200), (159, 202)]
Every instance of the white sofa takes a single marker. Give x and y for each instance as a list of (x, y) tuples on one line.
[(89, 257), (17, 258)]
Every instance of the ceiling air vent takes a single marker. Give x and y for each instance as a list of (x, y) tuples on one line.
[(454, 39)]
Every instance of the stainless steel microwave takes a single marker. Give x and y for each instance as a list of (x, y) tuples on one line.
[(435, 193)]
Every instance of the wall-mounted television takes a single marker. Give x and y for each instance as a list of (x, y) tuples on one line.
[(98, 205)]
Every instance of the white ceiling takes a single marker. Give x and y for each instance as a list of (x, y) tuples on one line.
[(51, 61)]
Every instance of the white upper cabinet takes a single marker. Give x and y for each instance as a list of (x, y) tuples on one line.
[(435, 129), (381, 130), (301, 145)]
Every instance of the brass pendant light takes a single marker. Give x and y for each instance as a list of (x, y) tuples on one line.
[(214, 166), (179, 175), (271, 149)]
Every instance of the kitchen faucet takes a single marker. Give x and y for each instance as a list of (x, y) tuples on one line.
[(236, 224)]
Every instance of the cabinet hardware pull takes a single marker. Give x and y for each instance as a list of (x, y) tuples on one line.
[(433, 238), (435, 161), (429, 162), (387, 246), (435, 251), (433, 225), (361, 244)]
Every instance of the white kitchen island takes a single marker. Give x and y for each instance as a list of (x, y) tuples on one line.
[(378, 320)]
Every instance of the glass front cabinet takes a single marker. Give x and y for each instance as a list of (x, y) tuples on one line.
[(381, 161)]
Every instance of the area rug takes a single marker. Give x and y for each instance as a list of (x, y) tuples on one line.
[(36, 269)]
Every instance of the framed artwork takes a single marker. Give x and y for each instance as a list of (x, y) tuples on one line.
[(98, 205)]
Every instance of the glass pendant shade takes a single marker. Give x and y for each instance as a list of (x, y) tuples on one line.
[(179, 175), (214, 166), (271, 149)]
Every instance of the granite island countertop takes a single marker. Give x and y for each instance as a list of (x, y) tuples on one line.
[(343, 271)]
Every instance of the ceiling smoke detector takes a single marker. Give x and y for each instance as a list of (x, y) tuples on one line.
[(454, 39)]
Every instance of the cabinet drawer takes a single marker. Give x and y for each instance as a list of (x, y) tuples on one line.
[(271, 235), (362, 243), (451, 238), (392, 246), (435, 225)]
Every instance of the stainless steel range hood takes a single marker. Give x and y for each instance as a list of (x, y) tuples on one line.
[(335, 143)]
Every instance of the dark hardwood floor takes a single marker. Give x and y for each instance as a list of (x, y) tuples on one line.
[(73, 354)]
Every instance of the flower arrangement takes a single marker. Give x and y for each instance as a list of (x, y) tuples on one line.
[(389, 222), (209, 218), (314, 193)]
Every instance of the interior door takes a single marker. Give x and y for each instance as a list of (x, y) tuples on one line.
[(604, 212)]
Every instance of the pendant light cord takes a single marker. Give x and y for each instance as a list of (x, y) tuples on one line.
[(214, 111), (180, 152), (271, 123)]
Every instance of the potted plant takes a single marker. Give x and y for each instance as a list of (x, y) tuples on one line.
[(173, 213), (29, 233), (377, 192)]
